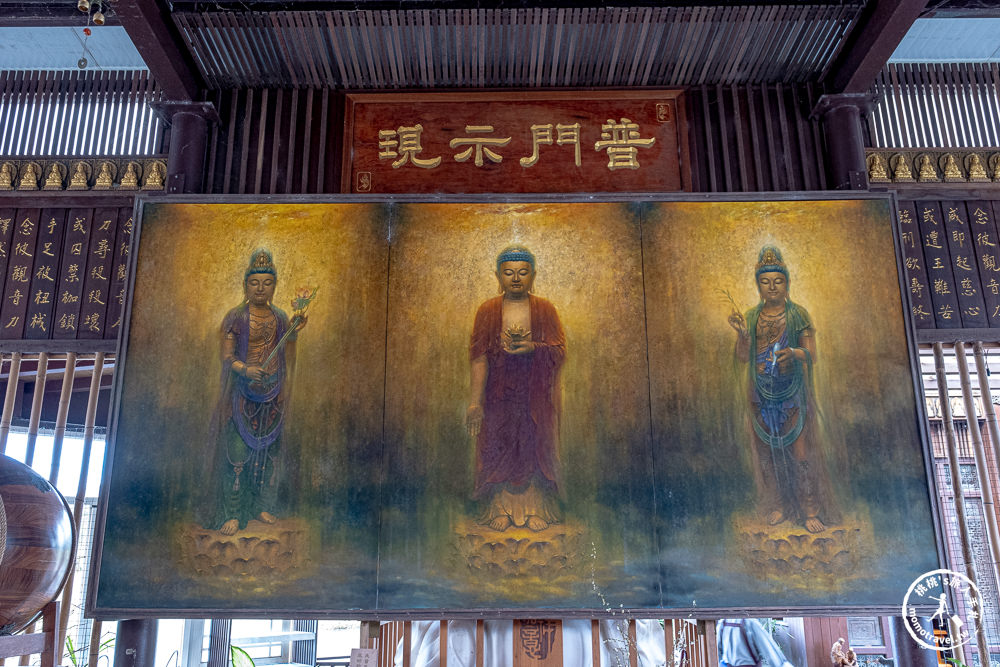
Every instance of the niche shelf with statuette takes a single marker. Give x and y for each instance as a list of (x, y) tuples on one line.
[(902, 168), (81, 174)]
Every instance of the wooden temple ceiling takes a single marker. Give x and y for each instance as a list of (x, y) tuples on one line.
[(502, 47), (193, 45)]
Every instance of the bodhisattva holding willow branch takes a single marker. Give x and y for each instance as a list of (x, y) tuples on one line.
[(777, 342), (258, 363)]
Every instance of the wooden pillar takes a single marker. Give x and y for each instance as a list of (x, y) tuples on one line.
[(820, 634), (707, 629), (189, 126), (443, 643), (29, 643), (987, 497), (135, 643), (407, 643), (220, 634), (958, 494), (52, 653), (908, 652), (94, 651), (370, 633), (304, 653), (845, 147), (10, 398)]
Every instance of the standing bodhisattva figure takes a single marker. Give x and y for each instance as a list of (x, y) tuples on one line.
[(258, 360), (777, 341)]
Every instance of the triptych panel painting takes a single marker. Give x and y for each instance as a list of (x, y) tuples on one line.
[(369, 407)]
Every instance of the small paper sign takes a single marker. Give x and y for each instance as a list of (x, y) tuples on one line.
[(364, 657)]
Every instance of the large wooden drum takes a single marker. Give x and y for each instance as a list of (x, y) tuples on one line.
[(37, 543)]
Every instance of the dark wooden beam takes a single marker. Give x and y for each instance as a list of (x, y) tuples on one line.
[(965, 9), (876, 34), (159, 45), (18, 14), (60, 346), (398, 5), (987, 336)]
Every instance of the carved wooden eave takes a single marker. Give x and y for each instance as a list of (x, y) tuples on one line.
[(975, 166), (99, 173)]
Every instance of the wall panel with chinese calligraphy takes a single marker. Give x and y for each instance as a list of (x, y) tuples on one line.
[(63, 270), (580, 141), (952, 262)]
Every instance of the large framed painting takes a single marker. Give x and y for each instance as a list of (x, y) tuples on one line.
[(248, 428), (375, 407)]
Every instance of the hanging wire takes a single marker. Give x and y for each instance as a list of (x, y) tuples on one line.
[(85, 6)]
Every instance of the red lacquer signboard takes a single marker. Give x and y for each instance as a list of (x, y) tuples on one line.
[(579, 141)]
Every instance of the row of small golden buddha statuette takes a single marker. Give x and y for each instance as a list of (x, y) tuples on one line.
[(942, 166), (99, 174)]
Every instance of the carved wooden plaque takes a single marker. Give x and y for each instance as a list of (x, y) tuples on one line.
[(65, 274), (608, 141), (537, 643)]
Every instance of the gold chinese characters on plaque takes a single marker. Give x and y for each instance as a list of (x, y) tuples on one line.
[(608, 141)]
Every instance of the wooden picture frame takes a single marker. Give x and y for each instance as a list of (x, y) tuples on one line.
[(656, 488)]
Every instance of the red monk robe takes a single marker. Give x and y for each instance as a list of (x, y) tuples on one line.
[(517, 449)]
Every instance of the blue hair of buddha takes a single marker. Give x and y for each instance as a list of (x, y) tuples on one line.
[(769, 260), (515, 253), (261, 261)]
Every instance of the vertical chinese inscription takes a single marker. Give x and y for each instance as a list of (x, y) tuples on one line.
[(44, 281), (119, 280), (97, 283), (7, 218), (66, 320), (938, 262), (19, 272), (962, 247), (983, 230), (921, 309)]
